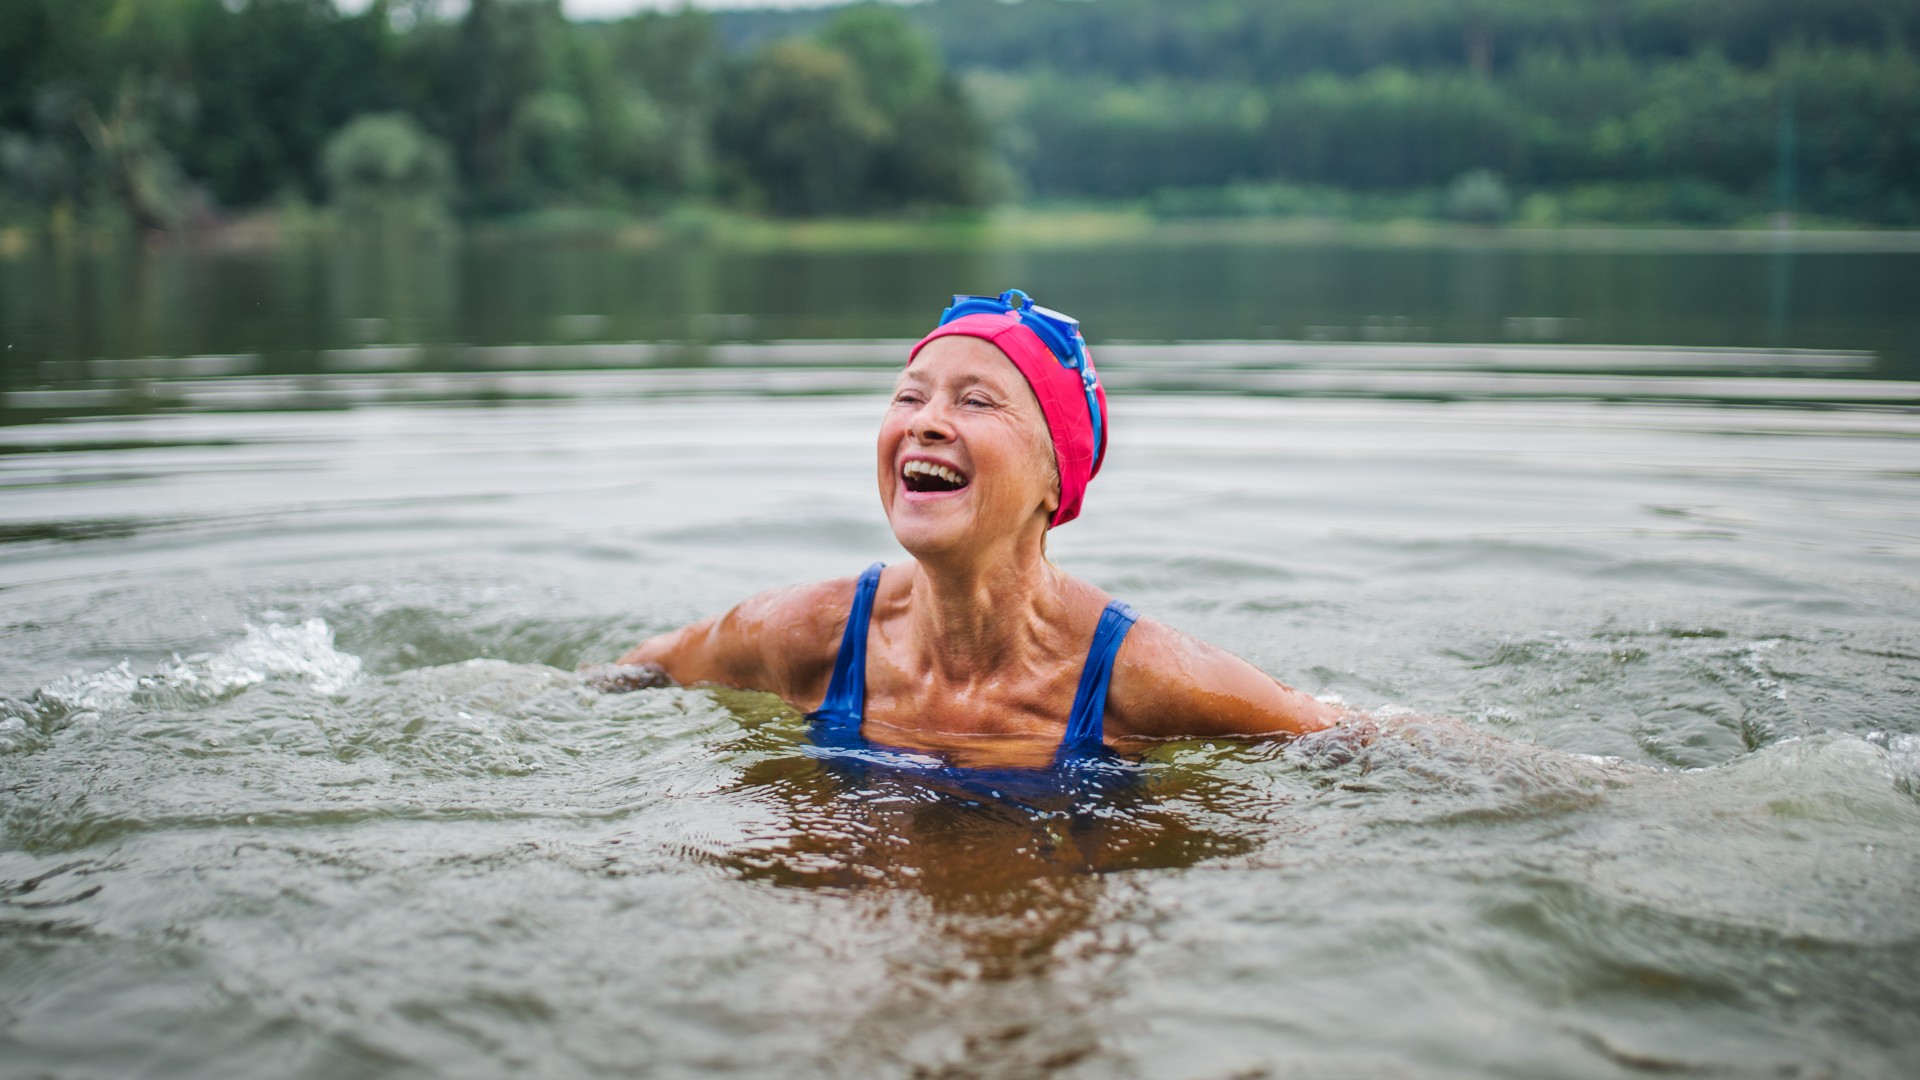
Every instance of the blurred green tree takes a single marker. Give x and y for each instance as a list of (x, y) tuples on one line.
[(1479, 197), (386, 174), (864, 118), (550, 142), (473, 82), (85, 108), (801, 130), (898, 65), (271, 81), (671, 73), (934, 150)]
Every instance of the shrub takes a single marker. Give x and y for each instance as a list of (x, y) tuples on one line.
[(1479, 197), (384, 172)]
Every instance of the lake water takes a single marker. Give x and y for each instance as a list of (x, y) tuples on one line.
[(298, 553)]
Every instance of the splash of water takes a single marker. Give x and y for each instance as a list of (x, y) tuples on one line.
[(301, 651), (1903, 759)]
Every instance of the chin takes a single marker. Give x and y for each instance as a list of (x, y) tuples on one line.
[(926, 538)]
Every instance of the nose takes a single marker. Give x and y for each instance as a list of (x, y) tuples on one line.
[(932, 423)]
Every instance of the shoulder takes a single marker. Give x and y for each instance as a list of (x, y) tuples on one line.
[(793, 623), (1170, 684)]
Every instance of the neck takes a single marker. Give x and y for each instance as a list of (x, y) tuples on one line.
[(975, 618)]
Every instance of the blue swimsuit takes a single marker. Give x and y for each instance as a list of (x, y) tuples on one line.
[(836, 723)]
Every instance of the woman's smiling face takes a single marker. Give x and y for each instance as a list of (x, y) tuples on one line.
[(964, 454)]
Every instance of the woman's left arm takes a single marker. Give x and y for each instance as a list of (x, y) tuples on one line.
[(1169, 685)]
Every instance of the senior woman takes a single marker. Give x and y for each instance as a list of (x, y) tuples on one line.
[(980, 649)]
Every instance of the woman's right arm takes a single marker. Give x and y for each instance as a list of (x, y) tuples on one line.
[(773, 642)]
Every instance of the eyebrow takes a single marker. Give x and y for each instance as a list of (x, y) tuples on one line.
[(967, 381)]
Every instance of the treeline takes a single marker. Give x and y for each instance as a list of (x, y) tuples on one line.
[(1819, 129), (161, 112), (1262, 41), (1705, 111)]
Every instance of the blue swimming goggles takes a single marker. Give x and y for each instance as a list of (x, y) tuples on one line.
[(1059, 333)]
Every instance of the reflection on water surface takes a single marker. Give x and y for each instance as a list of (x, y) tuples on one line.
[(114, 321)]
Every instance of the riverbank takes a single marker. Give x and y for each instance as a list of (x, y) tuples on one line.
[(1001, 228)]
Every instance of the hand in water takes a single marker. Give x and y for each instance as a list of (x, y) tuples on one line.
[(620, 678)]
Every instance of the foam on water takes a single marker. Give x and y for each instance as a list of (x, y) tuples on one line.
[(303, 651), (1903, 759)]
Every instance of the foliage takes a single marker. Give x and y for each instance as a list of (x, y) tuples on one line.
[(160, 110), (802, 130), (669, 75), (1267, 41), (157, 113), (270, 81), (1672, 108), (1479, 197), (384, 172), (1292, 200), (1703, 130), (76, 145), (864, 117), (1687, 201)]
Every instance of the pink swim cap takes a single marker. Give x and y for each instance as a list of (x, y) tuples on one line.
[(1065, 399)]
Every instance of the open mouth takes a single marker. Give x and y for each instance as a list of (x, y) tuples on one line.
[(928, 476)]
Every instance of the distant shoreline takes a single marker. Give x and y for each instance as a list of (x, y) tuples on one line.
[(1008, 227)]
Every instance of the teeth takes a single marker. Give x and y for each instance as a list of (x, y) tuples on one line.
[(928, 468)]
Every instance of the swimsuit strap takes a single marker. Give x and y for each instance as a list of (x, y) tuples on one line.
[(1086, 723), (845, 706), (847, 692)]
